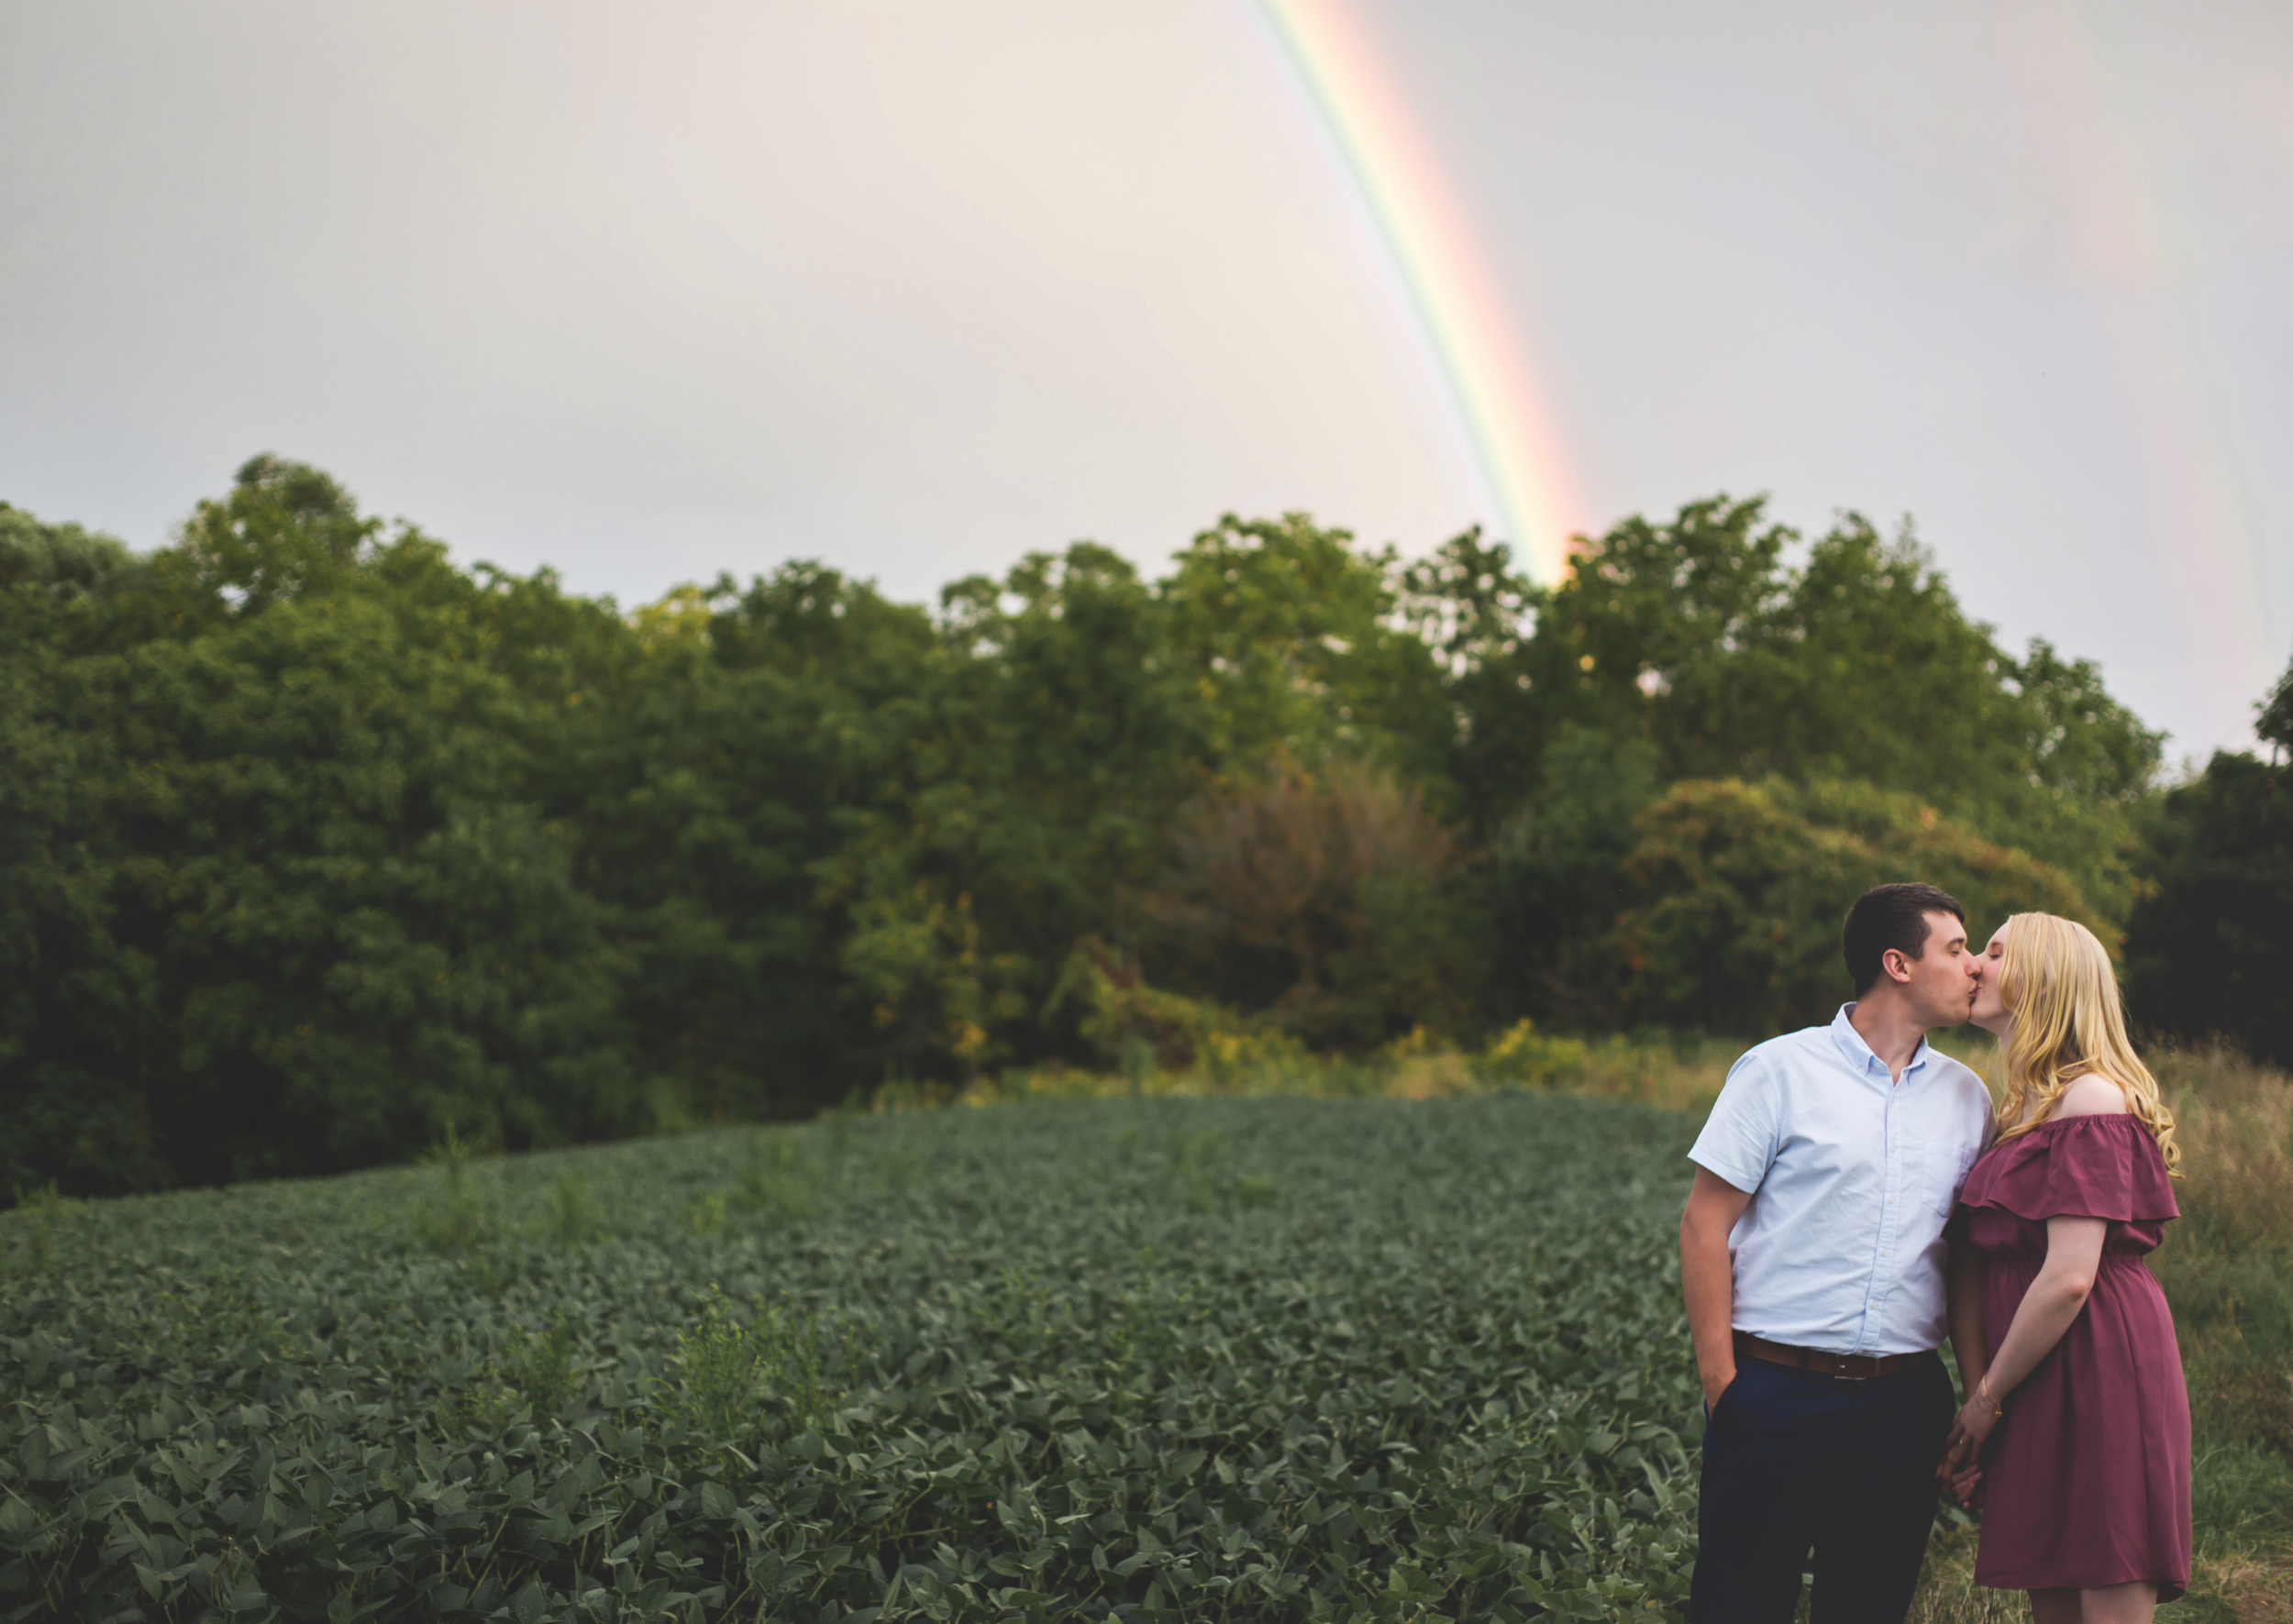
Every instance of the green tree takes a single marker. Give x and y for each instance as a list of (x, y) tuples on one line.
[(2275, 721), (1559, 872), (744, 743), (1291, 635), (1469, 606), (1023, 791), (1856, 663), (285, 531), (2210, 952), (68, 1117), (305, 917)]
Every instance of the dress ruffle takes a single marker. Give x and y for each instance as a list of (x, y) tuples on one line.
[(2095, 1166)]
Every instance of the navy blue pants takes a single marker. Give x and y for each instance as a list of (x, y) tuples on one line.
[(1798, 1465)]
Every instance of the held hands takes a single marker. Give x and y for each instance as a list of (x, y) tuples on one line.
[(1961, 1467), (1965, 1481)]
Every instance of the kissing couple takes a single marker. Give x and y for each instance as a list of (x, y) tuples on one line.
[(1856, 1195)]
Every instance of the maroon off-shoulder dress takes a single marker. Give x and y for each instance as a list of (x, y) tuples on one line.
[(2087, 1475)]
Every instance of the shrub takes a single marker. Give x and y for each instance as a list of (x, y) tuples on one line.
[(1332, 901), (1738, 891)]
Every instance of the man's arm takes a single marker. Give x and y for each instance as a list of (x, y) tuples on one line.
[(1962, 1274), (1963, 1271), (1706, 1280)]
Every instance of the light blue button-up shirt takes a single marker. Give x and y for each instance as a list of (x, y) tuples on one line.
[(1852, 1176)]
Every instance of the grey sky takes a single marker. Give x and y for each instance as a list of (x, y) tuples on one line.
[(648, 293)]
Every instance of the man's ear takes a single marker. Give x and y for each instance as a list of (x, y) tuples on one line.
[(1895, 965)]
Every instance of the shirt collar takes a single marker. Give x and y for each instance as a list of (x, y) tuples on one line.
[(1857, 1054)]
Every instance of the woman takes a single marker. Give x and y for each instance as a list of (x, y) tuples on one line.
[(2078, 1410)]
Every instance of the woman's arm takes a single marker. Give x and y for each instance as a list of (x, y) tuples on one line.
[(2074, 1251)]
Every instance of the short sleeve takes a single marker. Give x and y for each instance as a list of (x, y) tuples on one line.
[(2098, 1166), (1738, 1143)]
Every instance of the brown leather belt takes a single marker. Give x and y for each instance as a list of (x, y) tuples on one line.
[(1841, 1367)]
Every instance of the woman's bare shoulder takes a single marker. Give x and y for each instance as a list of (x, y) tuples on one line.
[(2092, 1095)]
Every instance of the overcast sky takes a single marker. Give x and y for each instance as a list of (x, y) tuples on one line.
[(648, 293)]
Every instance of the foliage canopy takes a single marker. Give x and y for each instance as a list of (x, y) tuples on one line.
[(315, 845)]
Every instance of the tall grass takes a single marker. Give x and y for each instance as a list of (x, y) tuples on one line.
[(1672, 1074), (2229, 1268)]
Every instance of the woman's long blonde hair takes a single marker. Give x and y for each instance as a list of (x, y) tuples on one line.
[(2069, 1022)]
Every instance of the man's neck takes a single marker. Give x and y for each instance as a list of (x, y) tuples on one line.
[(1890, 1030)]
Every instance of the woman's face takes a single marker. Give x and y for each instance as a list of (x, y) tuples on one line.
[(1989, 1014)]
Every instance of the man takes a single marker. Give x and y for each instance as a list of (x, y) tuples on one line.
[(1812, 1257)]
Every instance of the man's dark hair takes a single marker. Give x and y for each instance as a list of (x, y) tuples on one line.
[(1891, 916)]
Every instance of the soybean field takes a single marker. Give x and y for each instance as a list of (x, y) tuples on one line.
[(1135, 1360)]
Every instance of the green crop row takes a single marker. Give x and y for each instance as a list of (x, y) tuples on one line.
[(1135, 1360)]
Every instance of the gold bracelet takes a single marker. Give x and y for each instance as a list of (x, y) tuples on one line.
[(1982, 1391)]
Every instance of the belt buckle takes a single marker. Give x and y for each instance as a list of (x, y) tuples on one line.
[(1841, 1374)]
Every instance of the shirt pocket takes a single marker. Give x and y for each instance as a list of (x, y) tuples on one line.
[(1942, 1168)]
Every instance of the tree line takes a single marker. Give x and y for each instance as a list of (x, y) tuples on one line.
[(314, 845)]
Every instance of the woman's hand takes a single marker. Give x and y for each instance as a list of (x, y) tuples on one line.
[(1961, 1465), (1972, 1425)]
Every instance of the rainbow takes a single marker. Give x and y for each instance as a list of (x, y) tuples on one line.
[(1456, 305)]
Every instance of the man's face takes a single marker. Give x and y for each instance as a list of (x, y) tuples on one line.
[(1941, 980)]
